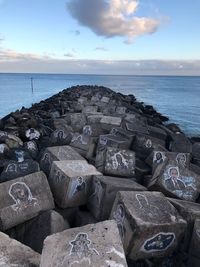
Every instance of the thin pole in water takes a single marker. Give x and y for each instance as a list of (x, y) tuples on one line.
[(32, 85)]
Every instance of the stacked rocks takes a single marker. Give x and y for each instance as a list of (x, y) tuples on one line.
[(91, 177)]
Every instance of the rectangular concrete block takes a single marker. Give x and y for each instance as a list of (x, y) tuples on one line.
[(176, 181), (93, 245), (70, 182), (103, 193), (23, 198), (119, 162), (57, 153), (108, 122), (195, 241), (190, 212), (149, 225), (90, 109), (15, 254)]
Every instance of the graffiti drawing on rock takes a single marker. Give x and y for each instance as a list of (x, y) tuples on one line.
[(181, 160), (118, 161), (22, 196), (158, 158), (12, 167), (119, 216), (183, 186), (96, 196), (160, 242), (77, 186)]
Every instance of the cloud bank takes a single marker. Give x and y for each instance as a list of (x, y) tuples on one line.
[(111, 18), (13, 61)]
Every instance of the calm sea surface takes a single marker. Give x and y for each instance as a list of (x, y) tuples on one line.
[(176, 97)]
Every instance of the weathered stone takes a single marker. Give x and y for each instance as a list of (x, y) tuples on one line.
[(105, 99), (141, 170), (3, 149), (82, 99), (137, 127), (14, 254), (61, 137), (91, 245), (145, 144), (57, 153), (23, 198), (32, 148), (180, 143), (78, 121), (108, 122), (175, 181), (157, 132), (68, 214), (121, 110), (33, 232), (119, 162), (70, 182), (84, 218), (90, 109), (103, 193), (149, 225), (190, 212), (94, 118), (195, 241), (172, 158), (120, 132), (32, 134), (196, 150), (18, 169)]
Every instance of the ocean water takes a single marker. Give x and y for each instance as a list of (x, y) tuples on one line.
[(174, 96)]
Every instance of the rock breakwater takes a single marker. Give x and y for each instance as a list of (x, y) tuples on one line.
[(91, 177)]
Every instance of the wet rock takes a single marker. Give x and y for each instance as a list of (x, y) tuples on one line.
[(14, 254), (23, 198), (14, 170), (148, 224), (57, 153), (103, 193), (91, 245), (70, 182)]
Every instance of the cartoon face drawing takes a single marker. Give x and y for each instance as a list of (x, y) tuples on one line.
[(159, 242), (118, 161), (22, 196), (181, 159), (80, 246), (11, 168)]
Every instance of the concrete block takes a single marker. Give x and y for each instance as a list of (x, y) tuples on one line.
[(57, 153), (176, 182), (195, 241), (108, 122), (119, 162), (70, 182), (103, 193), (149, 225), (91, 245), (15, 254), (23, 198)]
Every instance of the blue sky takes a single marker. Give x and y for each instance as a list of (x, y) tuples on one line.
[(100, 36)]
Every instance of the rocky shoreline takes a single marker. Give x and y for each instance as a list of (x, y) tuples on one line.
[(91, 177)]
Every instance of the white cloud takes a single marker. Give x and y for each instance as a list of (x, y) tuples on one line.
[(68, 55), (111, 18), (12, 55)]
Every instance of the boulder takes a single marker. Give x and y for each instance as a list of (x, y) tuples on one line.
[(70, 182), (91, 245), (15, 254), (61, 137), (176, 181), (103, 193), (149, 225), (13, 169), (195, 245), (57, 153), (32, 134), (108, 122), (180, 143), (23, 198)]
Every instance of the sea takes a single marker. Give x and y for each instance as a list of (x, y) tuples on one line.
[(177, 97)]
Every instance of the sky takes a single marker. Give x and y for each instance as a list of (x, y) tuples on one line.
[(138, 37)]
